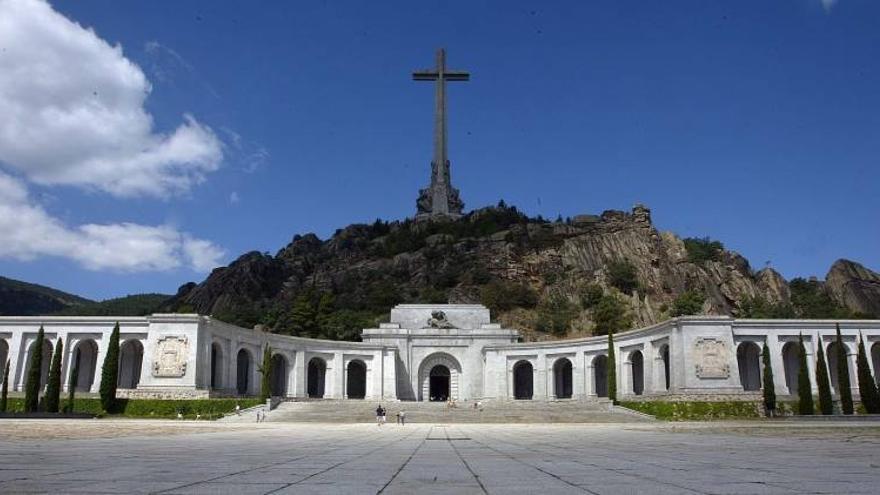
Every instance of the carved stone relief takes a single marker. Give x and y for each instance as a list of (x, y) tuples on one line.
[(711, 358), (169, 360)]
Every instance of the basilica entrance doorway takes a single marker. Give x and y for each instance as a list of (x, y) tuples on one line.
[(439, 383)]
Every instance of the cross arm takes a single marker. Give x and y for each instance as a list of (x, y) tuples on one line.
[(425, 75)]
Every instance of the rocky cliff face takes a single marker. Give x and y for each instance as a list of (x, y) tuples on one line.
[(368, 268)]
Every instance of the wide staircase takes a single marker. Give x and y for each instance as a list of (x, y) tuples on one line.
[(488, 411)]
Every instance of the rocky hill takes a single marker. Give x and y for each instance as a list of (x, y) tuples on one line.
[(588, 274), (19, 298)]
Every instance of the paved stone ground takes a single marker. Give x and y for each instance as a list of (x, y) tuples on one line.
[(117, 456)]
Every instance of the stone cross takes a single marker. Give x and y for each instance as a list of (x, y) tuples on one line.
[(440, 198)]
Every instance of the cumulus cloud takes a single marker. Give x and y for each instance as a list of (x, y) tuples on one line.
[(29, 232), (72, 112)]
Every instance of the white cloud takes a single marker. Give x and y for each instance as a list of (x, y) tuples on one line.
[(71, 112), (828, 4), (30, 232), (234, 198)]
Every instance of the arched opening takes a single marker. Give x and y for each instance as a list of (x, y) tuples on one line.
[(216, 366), (831, 356), (85, 358), (131, 357), (438, 388), (664, 356), (356, 380), (875, 360), (4, 355), (600, 375), (44, 365), (791, 365), (278, 386), (637, 365), (523, 378), (562, 378), (316, 372), (748, 359), (243, 372)]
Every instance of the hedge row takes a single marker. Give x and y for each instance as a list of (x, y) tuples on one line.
[(153, 408), (690, 411)]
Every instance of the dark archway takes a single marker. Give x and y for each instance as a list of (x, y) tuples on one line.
[(216, 366), (831, 356), (791, 366), (316, 373), (85, 358), (562, 378), (748, 359), (438, 387), (131, 357), (356, 380), (279, 376), (523, 380), (4, 355), (637, 366), (875, 360), (243, 372), (664, 356), (600, 375)]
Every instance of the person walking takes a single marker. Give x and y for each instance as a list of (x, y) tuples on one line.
[(380, 415), (401, 418)]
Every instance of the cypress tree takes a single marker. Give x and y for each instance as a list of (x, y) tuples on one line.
[(826, 402), (867, 386), (53, 389), (110, 371), (769, 388), (846, 402), (266, 372), (612, 369), (5, 390), (32, 385), (71, 387), (805, 391)]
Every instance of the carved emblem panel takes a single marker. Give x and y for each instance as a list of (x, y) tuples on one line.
[(169, 360), (711, 358)]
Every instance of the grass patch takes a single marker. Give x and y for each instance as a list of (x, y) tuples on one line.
[(153, 408), (696, 411)]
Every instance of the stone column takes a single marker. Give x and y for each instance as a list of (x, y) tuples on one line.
[(542, 386), (299, 374), (589, 376), (17, 358), (776, 363), (338, 376)]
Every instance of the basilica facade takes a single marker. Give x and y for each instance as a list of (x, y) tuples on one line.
[(435, 352)]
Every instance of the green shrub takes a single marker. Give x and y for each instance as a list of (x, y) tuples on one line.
[(4, 392), (867, 385), (34, 375), (760, 307), (805, 390), (846, 401), (53, 388), (504, 296), (696, 410), (622, 274), (769, 388), (110, 370), (591, 295), (689, 302), (610, 314), (703, 249), (555, 315), (826, 402)]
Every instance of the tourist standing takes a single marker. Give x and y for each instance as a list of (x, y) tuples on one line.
[(401, 418), (380, 414)]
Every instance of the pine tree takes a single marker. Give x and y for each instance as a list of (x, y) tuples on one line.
[(867, 386), (266, 372), (71, 387), (32, 385), (110, 371), (4, 392), (826, 402), (846, 402), (53, 389), (805, 390), (769, 388), (612, 370)]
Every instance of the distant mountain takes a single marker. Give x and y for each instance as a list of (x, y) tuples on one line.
[(131, 305), (19, 298), (549, 279)]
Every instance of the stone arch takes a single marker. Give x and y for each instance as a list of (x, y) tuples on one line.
[(131, 357), (218, 366), (278, 386), (244, 362), (356, 380), (439, 360), (563, 375), (748, 360), (523, 380), (791, 366), (44, 365), (637, 370), (600, 375), (85, 360), (317, 372), (664, 358), (875, 360)]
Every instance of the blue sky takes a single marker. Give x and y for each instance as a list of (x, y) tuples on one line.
[(755, 123)]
